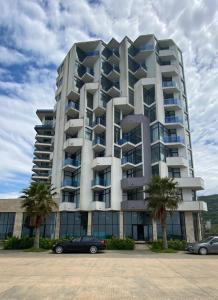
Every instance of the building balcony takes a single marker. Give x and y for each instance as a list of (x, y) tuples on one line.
[(98, 144), (195, 183), (70, 184), (170, 86), (133, 205), (101, 163), (72, 109), (39, 160), (128, 163), (195, 206), (172, 69), (72, 145), (36, 168), (73, 126), (41, 145), (143, 51), (98, 205), (130, 183), (71, 164), (40, 177), (67, 206), (173, 121), (91, 58), (114, 73), (41, 138), (37, 152), (168, 53), (176, 161), (173, 103), (177, 140), (114, 90), (99, 125), (128, 143), (87, 75), (42, 127), (114, 57), (100, 184), (141, 71)]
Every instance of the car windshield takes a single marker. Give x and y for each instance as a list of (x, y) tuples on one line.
[(206, 240), (77, 239)]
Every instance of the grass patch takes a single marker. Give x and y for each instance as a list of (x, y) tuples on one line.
[(169, 250), (32, 249)]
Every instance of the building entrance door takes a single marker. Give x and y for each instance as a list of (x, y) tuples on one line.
[(138, 232)]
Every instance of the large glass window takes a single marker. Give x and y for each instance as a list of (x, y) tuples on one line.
[(105, 224), (116, 134), (90, 100), (47, 229), (89, 117), (73, 224), (149, 95), (117, 152), (103, 196), (117, 116), (73, 197), (175, 226), (150, 112), (132, 80), (88, 134), (131, 97), (6, 224), (158, 131), (174, 172), (158, 153), (135, 194), (155, 170), (134, 156)]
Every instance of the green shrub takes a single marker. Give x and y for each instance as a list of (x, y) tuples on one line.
[(120, 244), (18, 243), (172, 244), (157, 245), (177, 244)]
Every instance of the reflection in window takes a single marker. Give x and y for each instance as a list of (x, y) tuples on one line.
[(73, 224), (6, 224)]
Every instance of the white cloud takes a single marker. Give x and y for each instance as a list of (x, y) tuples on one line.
[(43, 31)]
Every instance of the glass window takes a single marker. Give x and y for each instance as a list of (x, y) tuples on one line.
[(105, 224), (88, 134), (117, 152), (131, 97), (73, 224), (90, 100), (158, 153), (116, 134), (132, 80), (117, 116), (174, 172), (6, 224), (47, 229), (89, 117), (149, 95)]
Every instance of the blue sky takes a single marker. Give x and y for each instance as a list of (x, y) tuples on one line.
[(35, 36)]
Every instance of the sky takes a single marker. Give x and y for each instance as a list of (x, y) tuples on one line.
[(35, 35)]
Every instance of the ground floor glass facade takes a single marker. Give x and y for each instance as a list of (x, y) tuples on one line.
[(73, 224), (105, 224), (6, 224)]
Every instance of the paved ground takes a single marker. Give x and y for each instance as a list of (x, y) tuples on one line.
[(111, 275)]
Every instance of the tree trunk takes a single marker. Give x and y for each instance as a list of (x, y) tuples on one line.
[(164, 233), (36, 239)]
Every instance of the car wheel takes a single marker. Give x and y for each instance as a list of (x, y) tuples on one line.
[(59, 249), (93, 249), (203, 251)]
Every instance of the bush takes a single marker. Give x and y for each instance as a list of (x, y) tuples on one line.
[(177, 244), (172, 244), (27, 242), (16, 243), (120, 244)]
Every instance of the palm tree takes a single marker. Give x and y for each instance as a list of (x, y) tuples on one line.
[(163, 198), (38, 204)]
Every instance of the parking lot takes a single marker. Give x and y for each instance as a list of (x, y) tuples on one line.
[(109, 275)]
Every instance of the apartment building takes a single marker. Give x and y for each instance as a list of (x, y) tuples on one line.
[(121, 117)]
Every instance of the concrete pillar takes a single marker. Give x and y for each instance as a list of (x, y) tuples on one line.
[(154, 230), (18, 224), (89, 225), (199, 227), (121, 225), (189, 226), (57, 225)]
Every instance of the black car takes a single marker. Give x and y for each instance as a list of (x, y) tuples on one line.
[(81, 244)]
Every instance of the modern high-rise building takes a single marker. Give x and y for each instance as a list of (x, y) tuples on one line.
[(121, 117)]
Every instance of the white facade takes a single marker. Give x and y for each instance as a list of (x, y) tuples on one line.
[(121, 116)]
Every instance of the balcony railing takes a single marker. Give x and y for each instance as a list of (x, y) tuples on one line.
[(170, 84), (146, 47), (131, 139), (131, 160), (98, 140), (174, 139), (172, 101), (72, 162), (101, 181), (99, 120), (173, 119), (70, 182), (73, 105)]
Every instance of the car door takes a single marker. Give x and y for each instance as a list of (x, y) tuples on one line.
[(214, 245), (86, 243), (75, 245)]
